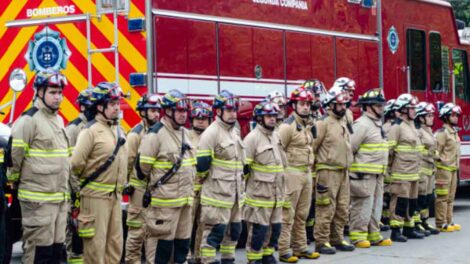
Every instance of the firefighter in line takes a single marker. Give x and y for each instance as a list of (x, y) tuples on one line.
[(424, 122), (264, 185), (167, 152), (332, 148), (201, 118), (3, 201), (221, 160), (73, 128), (448, 147), (317, 88), (296, 138), (280, 99), (100, 160), (40, 167), (349, 86), (148, 107), (405, 156), (370, 150), (390, 115)]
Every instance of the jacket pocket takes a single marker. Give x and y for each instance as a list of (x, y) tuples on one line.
[(46, 169), (359, 188), (227, 150), (86, 226)]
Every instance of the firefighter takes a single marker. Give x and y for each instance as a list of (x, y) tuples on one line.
[(296, 137), (424, 122), (148, 107), (74, 246), (100, 160), (317, 88), (40, 159), (349, 86), (3, 202), (332, 148), (405, 156), (370, 150), (389, 118), (168, 161), (448, 147), (221, 157), (280, 99), (264, 185), (201, 118)]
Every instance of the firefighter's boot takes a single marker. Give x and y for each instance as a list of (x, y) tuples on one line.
[(410, 233), (397, 236)]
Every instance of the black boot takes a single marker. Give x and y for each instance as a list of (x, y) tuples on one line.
[(44, 255), (57, 250), (258, 261), (227, 261), (269, 260), (397, 236), (181, 248), (310, 238), (431, 229), (420, 229), (410, 233)]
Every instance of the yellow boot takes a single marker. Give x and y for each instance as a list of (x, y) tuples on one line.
[(446, 228), (384, 243), (307, 254), (288, 258), (456, 227), (362, 244)]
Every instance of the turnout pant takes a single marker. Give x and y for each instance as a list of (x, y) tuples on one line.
[(197, 229), (403, 203), (446, 187)]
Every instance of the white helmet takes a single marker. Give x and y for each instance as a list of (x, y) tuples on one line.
[(278, 98), (448, 109), (335, 95), (345, 83), (405, 100), (389, 106), (424, 108), (5, 131)]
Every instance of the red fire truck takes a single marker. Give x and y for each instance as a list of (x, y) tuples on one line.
[(250, 47)]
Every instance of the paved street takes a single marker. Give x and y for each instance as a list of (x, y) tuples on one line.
[(443, 248)]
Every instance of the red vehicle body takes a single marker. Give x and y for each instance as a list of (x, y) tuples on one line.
[(250, 47)]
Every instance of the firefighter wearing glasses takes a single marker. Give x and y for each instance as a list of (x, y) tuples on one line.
[(264, 185), (201, 118), (40, 164), (100, 160), (448, 147), (148, 107), (74, 251), (296, 137), (166, 156), (332, 148), (405, 155), (424, 122), (221, 157), (370, 150)]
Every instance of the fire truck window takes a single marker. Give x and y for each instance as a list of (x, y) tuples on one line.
[(435, 66), (416, 57), (460, 68)]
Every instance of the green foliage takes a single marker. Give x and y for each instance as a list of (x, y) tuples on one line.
[(461, 10)]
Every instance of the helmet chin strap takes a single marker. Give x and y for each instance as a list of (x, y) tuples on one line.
[(263, 124), (338, 113), (172, 116), (375, 112), (44, 101), (149, 122), (221, 116)]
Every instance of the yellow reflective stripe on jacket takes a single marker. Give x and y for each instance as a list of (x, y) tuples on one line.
[(202, 175), (405, 176), (287, 204), (147, 160), (314, 174), (216, 203), (13, 176), (267, 168), (262, 203), (168, 164), (392, 143), (102, 187), (89, 232), (2, 158), (204, 153), (177, 202), (367, 167), (43, 196), (447, 168), (49, 153), (297, 169), (406, 148), (137, 183), (321, 166), (249, 161), (197, 187), (426, 171), (18, 143), (371, 147), (227, 163)]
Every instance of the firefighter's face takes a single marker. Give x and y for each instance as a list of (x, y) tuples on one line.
[(153, 115), (270, 120), (454, 119), (52, 97), (229, 115), (181, 116), (303, 107), (412, 113), (429, 119), (112, 109), (201, 123)]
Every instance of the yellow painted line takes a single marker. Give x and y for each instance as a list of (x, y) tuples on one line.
[(126, 49), (10, 13)]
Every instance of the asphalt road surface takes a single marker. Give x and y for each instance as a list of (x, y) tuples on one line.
[(444, 248)]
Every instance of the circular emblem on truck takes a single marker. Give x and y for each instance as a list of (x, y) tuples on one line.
[(47, 50), (393, 40)]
